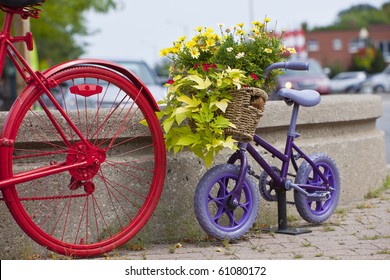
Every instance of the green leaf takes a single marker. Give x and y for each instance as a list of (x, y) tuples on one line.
[(230, 143), (144, 122), (167, 124), (222, 122), (202, 84), (222, 104), (208, 158), (191, 102), (186, 141), (181, 114)]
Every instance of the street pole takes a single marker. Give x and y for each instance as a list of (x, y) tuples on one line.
[(251, 12), (21, 27)]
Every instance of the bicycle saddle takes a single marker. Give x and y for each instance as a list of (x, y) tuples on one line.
[(306, 98), (19, 3)]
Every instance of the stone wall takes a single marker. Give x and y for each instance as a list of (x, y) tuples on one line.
[(342, 126)]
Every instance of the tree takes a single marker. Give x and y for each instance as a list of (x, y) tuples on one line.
[(368, 59), (359, 16), (60, 25)]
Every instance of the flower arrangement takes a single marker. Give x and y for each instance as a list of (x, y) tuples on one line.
[(205, 70)]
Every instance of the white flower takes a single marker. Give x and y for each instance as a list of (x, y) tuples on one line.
[(230, 49), (240, 55)]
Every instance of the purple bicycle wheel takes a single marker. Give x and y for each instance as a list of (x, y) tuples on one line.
[(213, 206), (318, 211)]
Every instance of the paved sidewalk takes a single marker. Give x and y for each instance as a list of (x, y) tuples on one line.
[(357, 232)]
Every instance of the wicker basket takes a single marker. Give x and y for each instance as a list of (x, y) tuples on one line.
[(245, 111)]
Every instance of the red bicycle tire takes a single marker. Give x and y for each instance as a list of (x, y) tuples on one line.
[(40, 205)]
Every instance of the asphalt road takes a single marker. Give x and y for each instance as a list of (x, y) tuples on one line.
[(384, 122)]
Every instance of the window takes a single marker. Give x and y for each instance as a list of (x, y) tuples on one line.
[(337, 44), (313, 45), (384, 46), (355, 45)]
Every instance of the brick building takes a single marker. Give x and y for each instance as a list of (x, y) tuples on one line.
[(335, 48)]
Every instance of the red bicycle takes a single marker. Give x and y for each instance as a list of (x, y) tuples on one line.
[(82, 153)]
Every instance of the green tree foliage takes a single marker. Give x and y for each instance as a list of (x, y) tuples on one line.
[(61, 24), (368, 59), (359, 16)]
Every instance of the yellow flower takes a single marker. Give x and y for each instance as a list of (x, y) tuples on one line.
[(267, 19), (199, 28), (240, 32), (164, 52), (210, 42), (195, 52), (267, 50), (292, 50), (241, 25), (209, 30), (256, 23), (175, 49), (190, 44), (181, 38)]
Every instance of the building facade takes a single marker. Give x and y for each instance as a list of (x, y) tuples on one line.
[(335, 48)]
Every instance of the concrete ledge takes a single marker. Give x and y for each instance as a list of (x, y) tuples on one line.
[(342, 126)]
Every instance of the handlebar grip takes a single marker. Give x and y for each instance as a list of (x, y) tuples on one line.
[(292, 65), (297, 65)]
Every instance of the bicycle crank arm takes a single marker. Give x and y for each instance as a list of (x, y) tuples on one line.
[(315, 196)]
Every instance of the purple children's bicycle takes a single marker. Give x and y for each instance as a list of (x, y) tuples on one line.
[(227, 201)]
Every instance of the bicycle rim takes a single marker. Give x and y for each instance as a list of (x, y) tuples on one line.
[(94, 208)]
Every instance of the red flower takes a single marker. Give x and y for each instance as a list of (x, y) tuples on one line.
[(206, 67), (196, 66), (254, 77), (170, 81)]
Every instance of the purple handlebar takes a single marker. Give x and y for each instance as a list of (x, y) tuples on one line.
[(292, 65)]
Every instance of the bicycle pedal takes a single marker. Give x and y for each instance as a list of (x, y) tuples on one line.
[(318, 196)]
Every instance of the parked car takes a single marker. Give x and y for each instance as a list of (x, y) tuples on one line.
[(348, 82), (315, 78), (380, 82), (139, 68), (147, 75)]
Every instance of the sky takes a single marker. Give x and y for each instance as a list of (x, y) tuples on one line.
[(139, 29)]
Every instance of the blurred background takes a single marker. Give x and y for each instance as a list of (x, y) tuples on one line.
[(347, 42)]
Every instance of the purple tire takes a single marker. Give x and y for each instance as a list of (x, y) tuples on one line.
[(213, 208), (317, 211)]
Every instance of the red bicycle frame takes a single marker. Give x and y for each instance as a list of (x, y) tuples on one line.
[(7, 47)]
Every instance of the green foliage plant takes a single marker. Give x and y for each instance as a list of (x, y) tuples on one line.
[(205, 70)]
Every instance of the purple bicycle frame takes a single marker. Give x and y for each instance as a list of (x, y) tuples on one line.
[(285, 158)]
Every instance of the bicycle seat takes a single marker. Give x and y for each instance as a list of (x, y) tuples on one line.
[(19, 3), (306, 98)]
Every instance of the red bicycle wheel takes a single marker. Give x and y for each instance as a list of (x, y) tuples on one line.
[(109, 161)]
